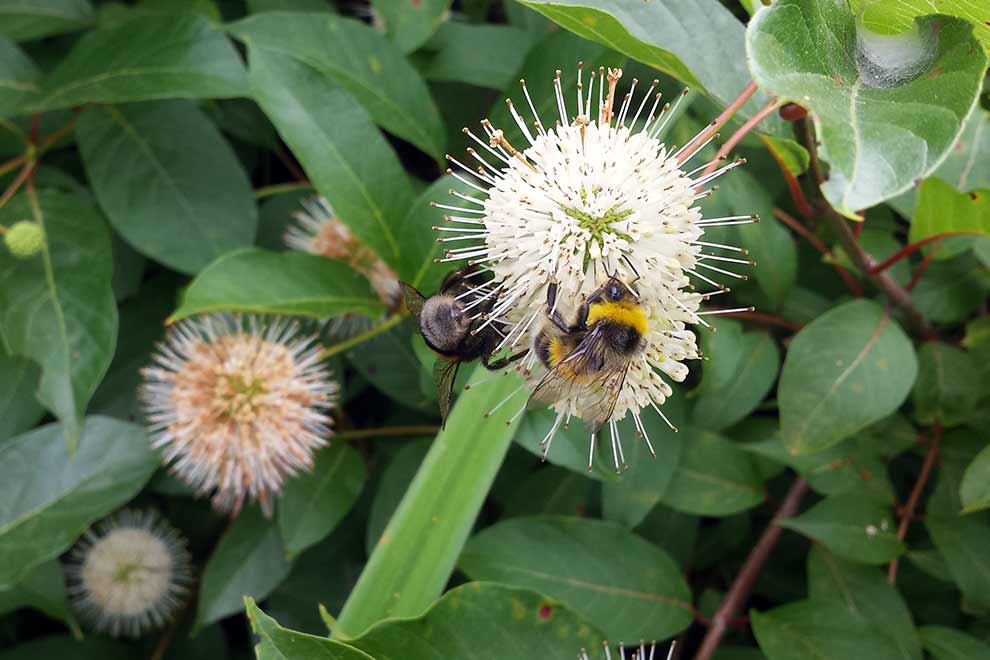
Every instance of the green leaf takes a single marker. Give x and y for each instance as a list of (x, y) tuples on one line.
[(44, 590), (722, 347), (851, 527), (575, 561), (57, 307), (671, 530), (150, 57), (666, 36), (22, 20), (438, 511), (249, 560), (362, 62), (41, 518), (314, 503), (963, 541), (168, 181), (570, 446), (258, 6), (948, 388), (19, 409), (975, 488), (389, 362), (951, 289), (864, 590), (637, 490), (481, 55), (483, 621), (392, 486), (942, 210), (879, 134), (950, 644), (721, 407), (291, 283), (55, 648), (847, 369), (549, 490), (893, 16), (278, 643), (347, 159), (821, 630), (409, 24), (18, 77), (788, 153), (714, 478)]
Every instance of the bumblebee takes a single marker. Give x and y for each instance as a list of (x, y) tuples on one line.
[(587, 360), (453, 324)]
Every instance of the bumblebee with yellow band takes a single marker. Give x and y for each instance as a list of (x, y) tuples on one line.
[(587, 360)]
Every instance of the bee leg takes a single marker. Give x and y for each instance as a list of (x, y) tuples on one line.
[(551, 312), (581, 322), (502, 362)]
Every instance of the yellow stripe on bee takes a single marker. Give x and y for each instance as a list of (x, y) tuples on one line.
[(557, 351), (620, 313)]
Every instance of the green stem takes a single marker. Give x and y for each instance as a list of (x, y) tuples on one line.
[(388, 431), (417, 553), (278, 188), (348, 344)]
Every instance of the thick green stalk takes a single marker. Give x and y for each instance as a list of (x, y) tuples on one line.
[(416, 555)]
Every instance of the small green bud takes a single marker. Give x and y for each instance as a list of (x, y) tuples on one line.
[(24, 239)]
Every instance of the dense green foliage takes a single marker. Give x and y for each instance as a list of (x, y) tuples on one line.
[(826, 492)]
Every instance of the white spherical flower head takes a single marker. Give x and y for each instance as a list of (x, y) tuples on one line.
[(642, 652), (597, 196), (237, 405), (128, 574)]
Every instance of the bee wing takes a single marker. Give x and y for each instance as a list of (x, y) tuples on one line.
[(413, 298), (444, 373), (596, 396)]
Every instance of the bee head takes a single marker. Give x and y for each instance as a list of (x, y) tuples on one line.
[(615, 290)]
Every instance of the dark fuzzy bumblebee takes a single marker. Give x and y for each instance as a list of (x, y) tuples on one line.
[(587, 360), (452, 323)]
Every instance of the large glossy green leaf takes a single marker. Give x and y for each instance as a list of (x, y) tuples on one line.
[(249, 561), (864, 590), (821, 630), (265, 282), (168, 181), (481, 55), (149, 57), (942, 210), (278, 643), (361, 61), (974, 491), (714, 478), (852, 528), (22, 20), (666, 35), (438, 511), (952, 289), (57, 307), (19, 408), (880, 132), (410, 24), (721, 407), (894, 16), (41, 517), (313, 503), (18, 77), (951, 644), (483, 621), (346, 157), (849, 368), (44, 590), (576, 560), (948, 387)]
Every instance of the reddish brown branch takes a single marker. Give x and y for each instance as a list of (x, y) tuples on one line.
[(691, 147), (908, 513), (760, 317), (735, 138), (741, 586), (808, 235), (794, 186), (911, 248), (923, 266)]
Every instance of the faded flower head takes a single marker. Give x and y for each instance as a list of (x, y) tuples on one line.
[(237, 405), (128, 574), (599, 194), (318, 230)]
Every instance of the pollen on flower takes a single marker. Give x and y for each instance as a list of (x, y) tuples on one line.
[(318, 230), (597, 195), (128, 574), (237, 406)]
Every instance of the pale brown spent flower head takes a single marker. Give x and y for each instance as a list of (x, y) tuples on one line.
[(128, 574), (237, 405), (319, 231)]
